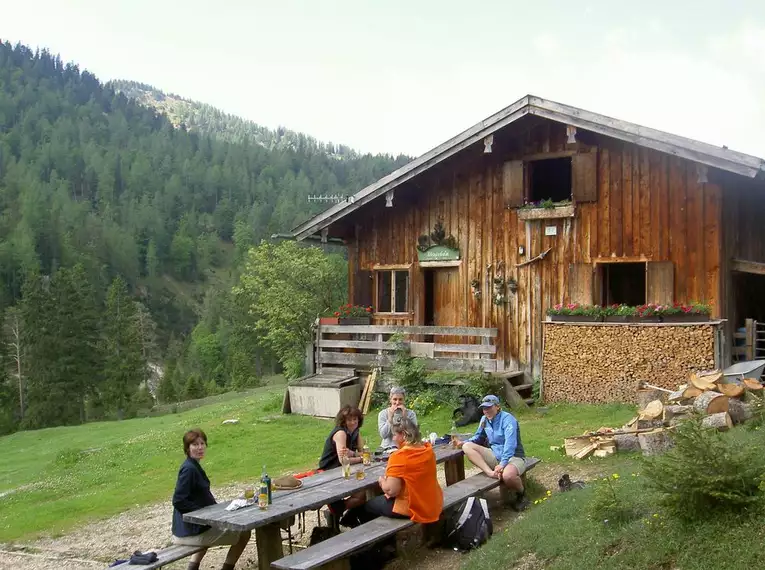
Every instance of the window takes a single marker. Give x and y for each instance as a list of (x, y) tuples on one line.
[(623, 283), (392, 291), (550, 179)]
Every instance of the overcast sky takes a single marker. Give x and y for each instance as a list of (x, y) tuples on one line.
[(403, 76)]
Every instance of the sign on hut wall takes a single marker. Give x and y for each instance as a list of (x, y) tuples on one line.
[(437, 246), (438, 253)]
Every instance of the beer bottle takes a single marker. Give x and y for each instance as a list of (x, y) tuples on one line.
[(366, 457)]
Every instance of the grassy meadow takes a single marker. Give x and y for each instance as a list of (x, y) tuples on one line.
[(52, 480)]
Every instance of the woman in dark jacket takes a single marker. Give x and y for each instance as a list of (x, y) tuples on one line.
[(344, 439), (192, 492)]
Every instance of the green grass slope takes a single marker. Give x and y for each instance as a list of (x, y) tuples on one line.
[(52, 480)]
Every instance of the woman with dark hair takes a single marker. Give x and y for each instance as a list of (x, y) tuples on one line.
[(192, 492), (344, 439)]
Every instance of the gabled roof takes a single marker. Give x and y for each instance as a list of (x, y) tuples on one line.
[(703, 153)]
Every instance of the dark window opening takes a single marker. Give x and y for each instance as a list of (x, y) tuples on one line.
[(550, 179), (624, 283), (383, 292), (402, 290), (392, 292), (430, 290)]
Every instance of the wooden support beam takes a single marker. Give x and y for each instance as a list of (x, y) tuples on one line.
[(743, 266)]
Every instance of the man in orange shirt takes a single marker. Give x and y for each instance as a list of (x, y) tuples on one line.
[(410, 484)]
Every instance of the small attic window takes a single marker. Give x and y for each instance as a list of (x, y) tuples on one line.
[(550, 180)]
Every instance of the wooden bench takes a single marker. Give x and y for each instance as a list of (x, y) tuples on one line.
[(333, 553), (166, 556)]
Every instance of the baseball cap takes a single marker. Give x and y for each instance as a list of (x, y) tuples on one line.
[(489, 401)]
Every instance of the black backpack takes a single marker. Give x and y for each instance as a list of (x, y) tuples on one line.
[(469, 526)]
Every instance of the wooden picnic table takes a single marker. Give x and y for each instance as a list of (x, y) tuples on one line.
[(316, 491)]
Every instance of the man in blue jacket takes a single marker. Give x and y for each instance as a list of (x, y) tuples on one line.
[(496, 448)]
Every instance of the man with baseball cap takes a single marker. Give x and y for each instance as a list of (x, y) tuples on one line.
[(496, 448)]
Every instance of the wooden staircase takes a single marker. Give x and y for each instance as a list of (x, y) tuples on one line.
[(518, 389)]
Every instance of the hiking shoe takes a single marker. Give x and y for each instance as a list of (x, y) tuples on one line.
[(521, 504)]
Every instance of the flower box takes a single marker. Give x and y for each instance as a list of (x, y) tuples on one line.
[(620, 319), (328, 320), (565, 211), (355, 320), (685, 318), (575, 319)]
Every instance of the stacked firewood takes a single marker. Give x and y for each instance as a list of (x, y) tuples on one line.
[(720, 402), (602, 364)]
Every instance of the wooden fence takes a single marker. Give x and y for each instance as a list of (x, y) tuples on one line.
[(368, 346)]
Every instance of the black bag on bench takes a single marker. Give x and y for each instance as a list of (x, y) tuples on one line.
[(143, 558), (469, 526)]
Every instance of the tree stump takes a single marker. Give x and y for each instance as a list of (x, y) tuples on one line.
[(710, 403), (627, 442), (720, 422), (645, 396), (655, 442)]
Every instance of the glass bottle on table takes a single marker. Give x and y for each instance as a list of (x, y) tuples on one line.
[(266, 480), (263, 496), (453, 436), (366, 456)]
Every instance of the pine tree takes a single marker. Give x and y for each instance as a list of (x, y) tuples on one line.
[(125, 368)]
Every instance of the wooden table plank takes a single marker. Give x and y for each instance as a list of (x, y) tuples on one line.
[(328, 487)]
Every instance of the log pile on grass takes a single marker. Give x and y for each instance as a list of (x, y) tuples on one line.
[(719, 402)]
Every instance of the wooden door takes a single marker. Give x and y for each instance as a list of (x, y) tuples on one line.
[(446, 302)]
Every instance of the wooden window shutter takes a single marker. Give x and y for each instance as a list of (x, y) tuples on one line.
[(512, 183), (660, 282), (580, 283), (362, 288), (584, 175)]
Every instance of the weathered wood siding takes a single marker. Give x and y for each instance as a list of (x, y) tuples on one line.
[(649, 207)]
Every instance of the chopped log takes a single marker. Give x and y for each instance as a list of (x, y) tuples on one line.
[(627, 442), (720, 422), (647, 425), (732, 389), (586, 451), (739, 411), (677, 413), (652, 411), (655, 442), (677, 396), (710, 403), (752, 384), (644, 397), (692, 392), (702, 384), (604, 451), (574, 445)]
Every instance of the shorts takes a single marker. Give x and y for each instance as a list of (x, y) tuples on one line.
[(210, 537), (492, 462)]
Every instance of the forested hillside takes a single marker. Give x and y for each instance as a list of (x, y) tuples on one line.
[(203, 118), (111, 212)]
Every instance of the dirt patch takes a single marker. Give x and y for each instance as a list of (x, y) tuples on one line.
[(95, 545)]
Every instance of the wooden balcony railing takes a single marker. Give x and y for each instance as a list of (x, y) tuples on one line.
[(368, 346)]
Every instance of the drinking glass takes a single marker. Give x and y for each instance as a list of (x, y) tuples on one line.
[(249, 493), (345, 462)]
